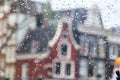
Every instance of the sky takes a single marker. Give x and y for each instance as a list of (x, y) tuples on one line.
[(110, 9)]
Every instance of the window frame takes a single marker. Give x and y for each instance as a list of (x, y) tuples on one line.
[(83, 67), (56, 68), (101, 46), (68, 55), (84, 43), (63, 67), (114, 49), (71, 76)]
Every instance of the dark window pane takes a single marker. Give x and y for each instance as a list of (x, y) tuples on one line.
[(90, 70), (64, 49), (57, 67), (68, 69)]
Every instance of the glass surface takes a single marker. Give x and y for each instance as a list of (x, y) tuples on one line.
[(59, 39)]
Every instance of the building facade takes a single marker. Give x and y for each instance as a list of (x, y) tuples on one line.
[(92, 59), (41, 55), (59, 62), (98, 48)]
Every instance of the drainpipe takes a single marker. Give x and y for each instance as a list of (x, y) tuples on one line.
[(107, 61)]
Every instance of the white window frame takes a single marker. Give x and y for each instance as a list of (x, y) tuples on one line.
[(114, 53), (71, 76), (62, 69), (68, 55)]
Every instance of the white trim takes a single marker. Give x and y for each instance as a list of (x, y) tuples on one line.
[(71, 76), (53, 68), (92, 30), (68, 56), (57, 35), (31, 56), (62, 70), (114, 39)]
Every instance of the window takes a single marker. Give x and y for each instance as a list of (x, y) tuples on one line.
[(82, 69), (64, 49), (95, 47), (92, 46), (68, 69), (101, 48), (113, 51), (100, 70), (84, 44), (90, 70), (65, 35), (57, 68)]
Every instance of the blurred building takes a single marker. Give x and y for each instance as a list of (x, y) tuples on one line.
[(92, 59), (36, 58), (2, 65), (7, 41), (98, 48), (89, 33)]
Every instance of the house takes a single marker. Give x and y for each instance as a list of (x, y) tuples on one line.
[(93, 48), (59, 61), (41, 55), (98, 48)]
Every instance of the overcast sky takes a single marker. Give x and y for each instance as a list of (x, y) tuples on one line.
[(110, 9)]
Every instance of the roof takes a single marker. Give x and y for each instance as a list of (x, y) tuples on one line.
[(41, 35)]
